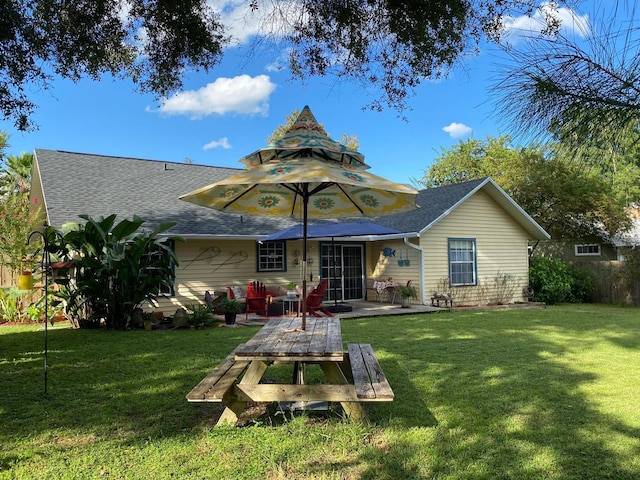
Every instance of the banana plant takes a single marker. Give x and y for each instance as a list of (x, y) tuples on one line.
[(119, 267)]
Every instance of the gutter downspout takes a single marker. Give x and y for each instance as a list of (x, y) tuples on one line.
[(419, 248)]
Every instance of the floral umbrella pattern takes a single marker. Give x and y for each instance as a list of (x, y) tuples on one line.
[(280, 187)]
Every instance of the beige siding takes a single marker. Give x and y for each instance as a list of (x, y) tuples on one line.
[(381, 267), (501, 249), (214, 265)]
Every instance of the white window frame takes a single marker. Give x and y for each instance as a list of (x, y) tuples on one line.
[(271, 257), (451, 244), (589, 247)]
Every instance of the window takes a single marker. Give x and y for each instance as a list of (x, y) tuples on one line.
[(271, 257), (587, 250), (462, 261)]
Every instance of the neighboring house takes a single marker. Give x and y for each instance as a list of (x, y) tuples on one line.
[(469, 240), (604, 248)]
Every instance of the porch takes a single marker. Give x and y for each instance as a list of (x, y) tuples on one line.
[(359, 309)]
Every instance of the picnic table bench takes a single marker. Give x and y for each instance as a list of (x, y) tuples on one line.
[(351, 377)]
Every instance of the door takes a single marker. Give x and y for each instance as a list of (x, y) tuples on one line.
[(343, 265)]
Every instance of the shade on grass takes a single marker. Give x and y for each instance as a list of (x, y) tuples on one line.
[(507, 394)]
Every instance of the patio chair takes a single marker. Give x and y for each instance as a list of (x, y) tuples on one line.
[(315, 297), (371, 287), (256, 299)]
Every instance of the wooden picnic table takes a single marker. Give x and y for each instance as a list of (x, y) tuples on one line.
[(350, 377)]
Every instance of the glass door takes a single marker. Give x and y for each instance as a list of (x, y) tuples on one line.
[(343, 265)]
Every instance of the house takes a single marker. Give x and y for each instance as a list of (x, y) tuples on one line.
[(468, 240), (596, 248)]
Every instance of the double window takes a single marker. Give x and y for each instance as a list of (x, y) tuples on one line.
[(462, 261), (272, 257), (587, 250)]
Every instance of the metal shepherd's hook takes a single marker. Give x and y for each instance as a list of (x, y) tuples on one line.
[(45, 264)]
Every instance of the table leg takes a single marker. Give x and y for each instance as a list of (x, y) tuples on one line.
[(234, 406), (335, 375)]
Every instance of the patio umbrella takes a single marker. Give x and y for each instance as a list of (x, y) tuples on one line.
[(306, 173)]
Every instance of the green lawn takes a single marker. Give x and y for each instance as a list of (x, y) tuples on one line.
[(551, 393)]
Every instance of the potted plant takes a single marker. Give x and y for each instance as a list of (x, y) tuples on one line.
[(291, 289), (231, 307), (407, 292)]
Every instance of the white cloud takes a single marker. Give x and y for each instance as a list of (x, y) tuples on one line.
[(222, 143), (516, 28), (242, 23), (457, 130), (242, 94)]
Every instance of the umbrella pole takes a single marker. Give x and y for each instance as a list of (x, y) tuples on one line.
[(305, 202), (335, 288)]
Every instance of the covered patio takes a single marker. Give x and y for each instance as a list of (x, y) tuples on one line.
[(360, 309)]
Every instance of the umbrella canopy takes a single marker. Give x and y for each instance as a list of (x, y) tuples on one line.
[(305, 138), (316, 178), (329, 230)]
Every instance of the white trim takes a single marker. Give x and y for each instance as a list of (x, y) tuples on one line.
[(577, 245)]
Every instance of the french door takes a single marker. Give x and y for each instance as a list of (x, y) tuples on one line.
[(343, 265)]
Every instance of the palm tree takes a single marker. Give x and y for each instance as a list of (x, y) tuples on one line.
[(15, 175)]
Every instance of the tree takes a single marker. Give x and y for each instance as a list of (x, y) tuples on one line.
[(565, 198), (391, 46), (579, 89), (17, 220), (15, 175), (118, 266)]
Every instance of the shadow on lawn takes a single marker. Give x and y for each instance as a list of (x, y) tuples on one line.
[(131, 382), (475, 397), (505, 405)]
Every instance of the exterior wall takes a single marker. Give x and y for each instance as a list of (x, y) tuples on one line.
[(381, 267), (214, 265), (501, 249), (565, 250)]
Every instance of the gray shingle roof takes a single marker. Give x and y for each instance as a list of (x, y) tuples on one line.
[(434, 202), (98, 185)]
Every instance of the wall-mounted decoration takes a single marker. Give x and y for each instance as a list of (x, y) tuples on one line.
[(388, 252)]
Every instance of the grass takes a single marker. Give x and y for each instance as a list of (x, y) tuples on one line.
[(550, 393)]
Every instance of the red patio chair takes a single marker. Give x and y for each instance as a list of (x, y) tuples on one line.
[(314, 300), (256, 299)]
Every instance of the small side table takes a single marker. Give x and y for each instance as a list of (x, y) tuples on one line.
[(292, 304)]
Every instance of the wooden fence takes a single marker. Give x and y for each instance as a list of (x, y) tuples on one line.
[(611, 286)]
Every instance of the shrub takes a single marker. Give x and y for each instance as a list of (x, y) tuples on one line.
[(583, 282), (550, 279)]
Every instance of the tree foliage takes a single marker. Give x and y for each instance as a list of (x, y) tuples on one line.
[(564, 197), (583, 87), (119, 267), (15, 174), (391, 46), (18, 217)]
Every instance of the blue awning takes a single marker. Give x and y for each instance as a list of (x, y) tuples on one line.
[(330, 230)]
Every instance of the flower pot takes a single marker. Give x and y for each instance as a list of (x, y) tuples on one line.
[(230, 318), (406, 302), (25, 281)]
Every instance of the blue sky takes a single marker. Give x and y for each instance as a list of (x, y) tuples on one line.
[(221, 116)]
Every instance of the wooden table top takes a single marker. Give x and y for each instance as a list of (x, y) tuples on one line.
[(283, 339)]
